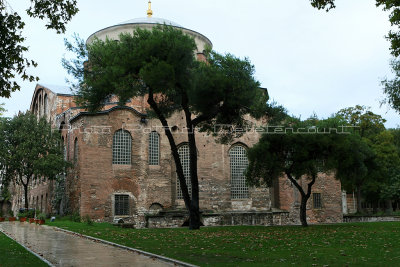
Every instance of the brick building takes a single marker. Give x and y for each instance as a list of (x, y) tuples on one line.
[(123, 168)]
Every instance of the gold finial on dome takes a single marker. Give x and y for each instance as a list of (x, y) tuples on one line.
[(149, 11)]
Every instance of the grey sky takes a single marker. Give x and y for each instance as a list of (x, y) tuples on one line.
[(310, 60)]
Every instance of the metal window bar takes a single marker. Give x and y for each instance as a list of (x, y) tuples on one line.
[(122, 148), (154, 149), (238, 165), (317, 201), (121, 205), (184, 156)]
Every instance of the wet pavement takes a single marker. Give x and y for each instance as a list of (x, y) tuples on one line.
[(63, 249)]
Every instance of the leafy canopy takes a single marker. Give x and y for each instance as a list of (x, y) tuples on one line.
[(161, 62), (13, 62), (29, 149), (295, 153)]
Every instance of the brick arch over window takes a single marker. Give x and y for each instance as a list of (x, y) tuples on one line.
[(154, 148), (122, 148), (183, 151), (238, 165)]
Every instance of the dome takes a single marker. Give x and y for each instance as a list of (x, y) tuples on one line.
[(151, 20), (147, 23)]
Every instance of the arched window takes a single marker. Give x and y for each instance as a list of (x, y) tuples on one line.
[(183, 152), (238, 164), (40, 106), (64, 147), (76, 150), (45, 105), (122, 148), (154, 148)]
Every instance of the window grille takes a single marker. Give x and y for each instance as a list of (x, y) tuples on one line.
[(317, 201), (184, 156), (154, 148), (121, 205), (122, 148), (238, 164)]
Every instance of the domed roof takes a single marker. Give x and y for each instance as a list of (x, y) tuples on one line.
[(150, 20)]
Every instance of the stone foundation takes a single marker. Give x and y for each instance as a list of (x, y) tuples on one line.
[(353, 219), (178, 219)]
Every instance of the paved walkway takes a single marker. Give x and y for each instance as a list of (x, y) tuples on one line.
[(63, 249)]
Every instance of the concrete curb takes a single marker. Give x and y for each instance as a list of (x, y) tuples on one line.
[(151, 255), (31, 251)]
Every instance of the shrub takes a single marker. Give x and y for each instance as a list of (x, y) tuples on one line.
[(75, 217), (21, 215), (88, 220)]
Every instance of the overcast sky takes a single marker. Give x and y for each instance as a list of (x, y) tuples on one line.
[(310, 61)]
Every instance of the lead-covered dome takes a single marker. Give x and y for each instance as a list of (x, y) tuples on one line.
[(148, 23)]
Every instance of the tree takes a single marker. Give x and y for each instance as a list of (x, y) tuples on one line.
[(12, 59), (29, 150), (367, 170), (388, 160), (368, 123), (2, 109), (391, 87), (295, 155), (160, 65), (356, 166)]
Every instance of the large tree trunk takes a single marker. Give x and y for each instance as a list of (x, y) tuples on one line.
[(304, 196), (26, 196), (303, 210), (174, 149), (194, 219)]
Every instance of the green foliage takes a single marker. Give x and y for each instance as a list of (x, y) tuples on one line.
[(75, 217), (88, 220), (41, 216), (13, 61), (11, 213), (323, 4), (29, 150), (2, 109), (360, 244), (295, 152), (357, 164), (367, 122), (162, 62), (391, 87)]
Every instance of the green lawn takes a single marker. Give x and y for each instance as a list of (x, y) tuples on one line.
[(12, 254), (334, 245)]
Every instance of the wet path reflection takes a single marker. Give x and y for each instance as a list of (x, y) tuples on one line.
[(62, 249)]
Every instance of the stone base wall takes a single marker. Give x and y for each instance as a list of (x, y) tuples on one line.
[(353, 219), (220, 219)]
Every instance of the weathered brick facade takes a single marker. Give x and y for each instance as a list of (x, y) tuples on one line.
[(92, 185)]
